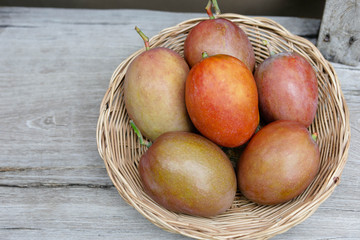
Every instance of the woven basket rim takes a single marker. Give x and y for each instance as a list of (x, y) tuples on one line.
[(176, 222)]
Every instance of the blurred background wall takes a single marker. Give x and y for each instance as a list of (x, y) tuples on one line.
[(297, 8)]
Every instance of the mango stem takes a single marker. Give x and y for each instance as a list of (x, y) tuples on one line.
[(210, 4), (144, 37), (139, 135), (208, 10), (204, 55), (314, 136), (216, 6), (269, 47)]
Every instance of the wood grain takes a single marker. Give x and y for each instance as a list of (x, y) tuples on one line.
[(55, 66), (339, 36)]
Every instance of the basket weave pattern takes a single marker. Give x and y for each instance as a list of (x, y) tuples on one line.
[(120, 149)]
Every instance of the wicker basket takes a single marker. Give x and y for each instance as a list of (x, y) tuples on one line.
[(120, 149)]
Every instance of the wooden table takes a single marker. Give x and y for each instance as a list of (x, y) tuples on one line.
[(55, 66)]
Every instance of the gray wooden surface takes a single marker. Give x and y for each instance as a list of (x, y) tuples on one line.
[(55, 66), (339, 35)]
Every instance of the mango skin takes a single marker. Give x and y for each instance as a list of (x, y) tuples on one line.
[(154, 92), (218, 36), (222, 100), (278, 164), (186, 173), (287, 87)]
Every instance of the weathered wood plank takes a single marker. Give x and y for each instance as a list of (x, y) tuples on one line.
[(85, 176), (339, 37), (93, 213), (72, 213)]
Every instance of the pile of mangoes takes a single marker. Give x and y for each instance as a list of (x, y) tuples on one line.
[(193, 107)]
